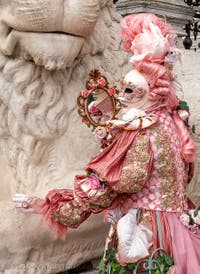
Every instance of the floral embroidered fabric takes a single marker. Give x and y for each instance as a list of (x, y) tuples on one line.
[(165, 189), (136, 166)]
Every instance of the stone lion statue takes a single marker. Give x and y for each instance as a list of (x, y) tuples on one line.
[(46, 51)]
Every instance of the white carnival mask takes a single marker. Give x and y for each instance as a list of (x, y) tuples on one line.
[(135, 89)]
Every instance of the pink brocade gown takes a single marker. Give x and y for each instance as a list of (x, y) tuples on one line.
[(154, 158), (146, 170)]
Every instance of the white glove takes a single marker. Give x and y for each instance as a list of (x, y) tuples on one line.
[(23, 202)]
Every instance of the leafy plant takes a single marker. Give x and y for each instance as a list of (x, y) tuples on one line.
[(184, 105), (165, 262), (110, 264)]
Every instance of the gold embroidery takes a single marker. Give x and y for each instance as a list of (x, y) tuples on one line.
[(142, 142), (103, 198), (167, 174), (146, 218), (134, 171), (142, 157), (185, 177), (72, 217)]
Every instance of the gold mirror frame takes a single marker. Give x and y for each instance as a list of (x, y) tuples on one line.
[(97, 82)]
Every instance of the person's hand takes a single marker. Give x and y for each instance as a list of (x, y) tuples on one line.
[(23, 202)]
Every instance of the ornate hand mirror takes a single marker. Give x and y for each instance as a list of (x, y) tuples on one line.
[(98, 103)]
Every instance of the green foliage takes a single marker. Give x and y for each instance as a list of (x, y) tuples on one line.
[(193, 128), (111, 265), (165, 262), (192, 215), (184, 105)]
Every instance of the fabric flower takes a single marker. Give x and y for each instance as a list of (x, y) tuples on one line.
[(94, 181), (93, 86), (112, 91), (101, 82), (100, 132), (185, 219), (85, 93), (172, 270)]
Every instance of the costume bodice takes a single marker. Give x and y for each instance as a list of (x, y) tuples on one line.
[(159, 166)]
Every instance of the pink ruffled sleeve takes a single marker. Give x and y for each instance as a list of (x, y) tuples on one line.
[(63, 208)]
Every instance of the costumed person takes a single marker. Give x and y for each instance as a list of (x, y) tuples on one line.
[(140, 178)]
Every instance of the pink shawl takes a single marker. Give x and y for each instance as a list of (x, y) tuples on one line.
[(108, 164)]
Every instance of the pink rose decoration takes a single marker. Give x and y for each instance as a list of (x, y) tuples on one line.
[(85, 93), (191, 219), (172, 270), (93, 86), (112, 91), (185, 219), (101, 82), (100, 132), (94, 182)]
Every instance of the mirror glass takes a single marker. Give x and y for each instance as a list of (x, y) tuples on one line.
[(98, 102), (100, 106)]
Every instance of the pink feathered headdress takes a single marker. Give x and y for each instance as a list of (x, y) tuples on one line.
[(136, 24), (152, 43)]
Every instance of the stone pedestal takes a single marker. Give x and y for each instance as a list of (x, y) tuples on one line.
[(177, 12)]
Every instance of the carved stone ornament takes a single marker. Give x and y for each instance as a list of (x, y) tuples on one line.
[(46, 51), (98, 103)]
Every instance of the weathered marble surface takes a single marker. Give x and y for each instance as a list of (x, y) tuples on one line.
[(46, 51)]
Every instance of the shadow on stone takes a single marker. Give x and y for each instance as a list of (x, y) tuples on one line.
[(80, 269)]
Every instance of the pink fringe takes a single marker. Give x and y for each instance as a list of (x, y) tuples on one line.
[(53, 201)]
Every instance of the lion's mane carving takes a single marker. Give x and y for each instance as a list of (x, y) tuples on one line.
[(42, 139)]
